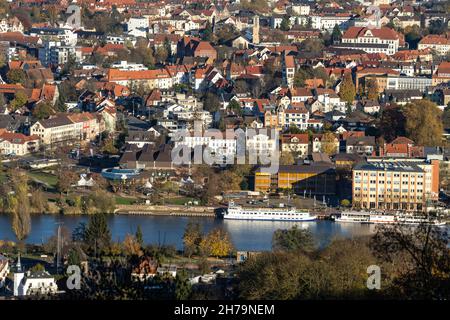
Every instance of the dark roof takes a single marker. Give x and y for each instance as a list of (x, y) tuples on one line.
[(365, 140), (388, 166)]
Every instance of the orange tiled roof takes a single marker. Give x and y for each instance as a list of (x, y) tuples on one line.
[(117, 75)]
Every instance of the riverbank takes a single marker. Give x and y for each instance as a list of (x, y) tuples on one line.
[(167, 210)]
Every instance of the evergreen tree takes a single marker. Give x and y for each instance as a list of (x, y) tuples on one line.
[(139, 236), (97, 234), (182, 286), (336, 35)]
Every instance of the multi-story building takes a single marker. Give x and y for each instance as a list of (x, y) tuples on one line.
[(314, 179), (150, 79), (395, 184), (56, 54), (288, 70), (328, 21), (4, 270), (297, 116), (62, 128), (296, 143), (440, 44), (375, 40), (18, 144), (64, 35), (11, 25), (137, 23)]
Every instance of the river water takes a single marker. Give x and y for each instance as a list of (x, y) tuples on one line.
[(245, 235)]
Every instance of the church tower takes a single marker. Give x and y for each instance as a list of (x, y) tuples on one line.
[(18, 277), (255, 33)]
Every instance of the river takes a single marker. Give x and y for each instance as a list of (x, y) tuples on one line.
[(245, 235)]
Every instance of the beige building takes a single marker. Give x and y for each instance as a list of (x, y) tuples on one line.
[(78, 126), (438, 43), (393, 184), (18, 144)]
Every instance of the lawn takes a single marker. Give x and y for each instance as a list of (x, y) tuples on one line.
[(125, 201), (49, 179)]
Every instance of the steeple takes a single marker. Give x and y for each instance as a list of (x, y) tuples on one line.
[(19, 265)]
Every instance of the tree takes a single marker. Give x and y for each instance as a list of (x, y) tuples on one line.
[(347, 90), (161, 54), (423, 123), (421, 258), (108, 146), (20, 99), (437, 26), (131, 246), (139, 236), (37, 268), (345, 203), (43, 110), (19, 206), (336, 35), (287, 158), (66, 179), (192, 238), (216, 243), (313, 46), (392, 123), (183, 288), (372, 89), (412, 36), (211, 102), (300, 76), (38, 201), (235, 107), (16, 76), (101, 201), (446, 117), (97, 234), (328, 143), (285, 24), (293, 239)]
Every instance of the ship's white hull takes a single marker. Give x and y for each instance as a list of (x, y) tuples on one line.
[(377, 218), (262, 218), (267, 215)]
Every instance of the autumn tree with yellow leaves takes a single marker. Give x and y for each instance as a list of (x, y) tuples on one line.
[(216, 243)]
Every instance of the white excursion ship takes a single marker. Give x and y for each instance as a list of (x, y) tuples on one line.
[(379, 217), (237, 212)]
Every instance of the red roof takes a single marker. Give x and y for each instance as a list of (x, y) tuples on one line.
[(303, 138), (382, 33)]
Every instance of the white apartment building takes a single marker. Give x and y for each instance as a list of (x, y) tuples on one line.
[(54, 53), (4, 270), (217, 145), (125, 65), (327, 22), (438, 43), (375, 40), (34, 283), (301, 9), (298, 117), (408, 83), (137, 23), (18, 144), (64, 35)]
